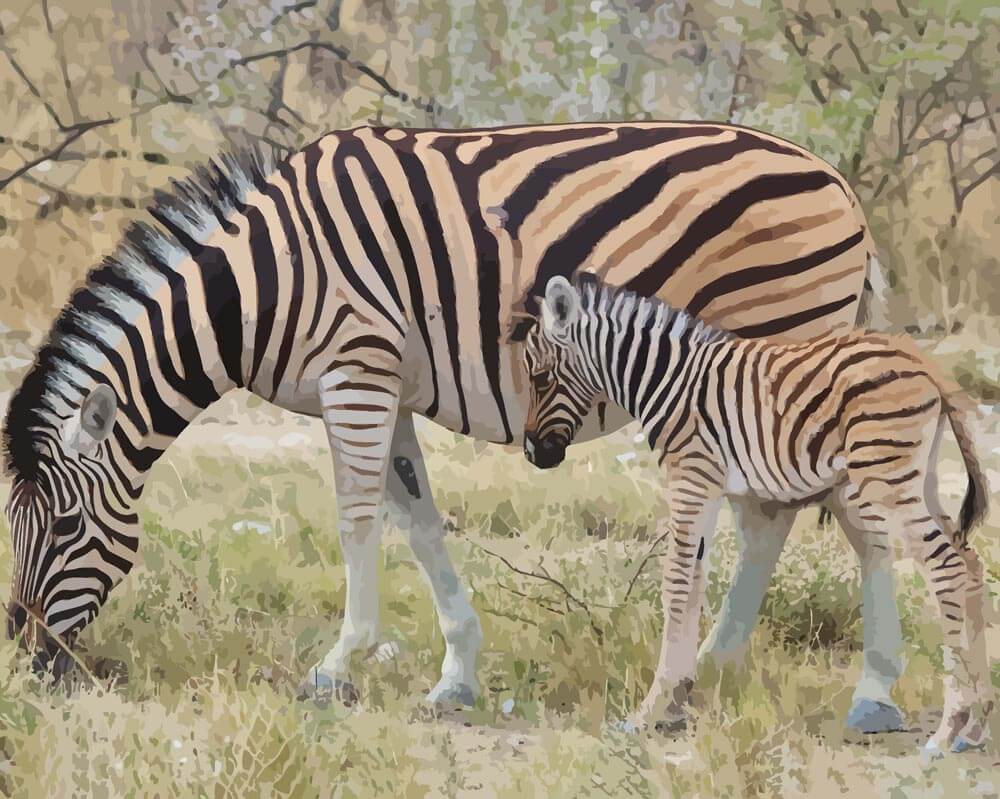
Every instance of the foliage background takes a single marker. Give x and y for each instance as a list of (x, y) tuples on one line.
[(103, 102)]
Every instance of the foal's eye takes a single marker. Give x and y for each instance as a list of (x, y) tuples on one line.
[(541, 379)]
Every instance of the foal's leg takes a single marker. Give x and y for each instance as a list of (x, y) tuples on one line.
[(873, 709), (694, 507), (410, 495), (760, 536), (974, 733), (893, 499)]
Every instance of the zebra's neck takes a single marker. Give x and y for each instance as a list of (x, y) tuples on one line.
[(161, 321), (645, 354)]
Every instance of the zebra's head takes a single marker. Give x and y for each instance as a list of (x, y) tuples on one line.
[(71, 533), (562, 390)]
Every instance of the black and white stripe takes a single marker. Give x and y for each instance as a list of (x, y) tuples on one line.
[(853, 419), (381, 273)]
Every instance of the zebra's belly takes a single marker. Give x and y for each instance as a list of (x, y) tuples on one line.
[(473, 408)]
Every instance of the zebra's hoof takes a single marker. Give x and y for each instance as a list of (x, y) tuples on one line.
[(930, 752), (322, 689), (962, 744), (870, 716), (629, 726), (452, 694), (671, 725)]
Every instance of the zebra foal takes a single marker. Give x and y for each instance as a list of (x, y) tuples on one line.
[(854, 420)]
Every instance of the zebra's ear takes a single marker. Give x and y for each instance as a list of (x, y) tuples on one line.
[(561, 308), (94, 420)]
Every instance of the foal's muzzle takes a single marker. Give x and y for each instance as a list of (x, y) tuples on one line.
[(544, 453)]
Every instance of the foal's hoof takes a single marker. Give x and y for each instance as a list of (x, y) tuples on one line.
[(671, 725), (962, 744), (452, 694), (870, 716), (322, 689), (628, 726)]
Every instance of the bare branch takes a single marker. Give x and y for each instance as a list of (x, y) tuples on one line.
[(570, 598), (338, 51), (34, 90), (650, 553), (857, 54), (169, 93), (963, 194), (61, 55), (54, 155), (60, 151)]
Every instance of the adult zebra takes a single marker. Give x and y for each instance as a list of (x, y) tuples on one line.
[(379, 273)]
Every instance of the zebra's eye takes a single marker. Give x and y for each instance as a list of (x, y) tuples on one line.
[(65, 525), (541, 380)]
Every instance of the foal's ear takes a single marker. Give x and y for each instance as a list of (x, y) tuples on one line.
[(561, 307), (93, 422)]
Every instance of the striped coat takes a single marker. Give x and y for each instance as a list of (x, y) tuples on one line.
[(854, 420), (381, 273)]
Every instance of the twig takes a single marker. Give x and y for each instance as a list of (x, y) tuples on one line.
[(53, 155), (32, 618), (342, 54), (642, 565), (570, 598)]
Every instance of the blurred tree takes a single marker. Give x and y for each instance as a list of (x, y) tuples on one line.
[(106, 102)]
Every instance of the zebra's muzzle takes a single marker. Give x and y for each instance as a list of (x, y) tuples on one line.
[(544, 453), (49, 654)]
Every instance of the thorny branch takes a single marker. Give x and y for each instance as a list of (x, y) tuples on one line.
[(77, 129), (343, 55), (571, 599)]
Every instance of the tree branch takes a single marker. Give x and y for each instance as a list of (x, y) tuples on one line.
[(61, 55), (53, 155), (570, 598), (342, 54)]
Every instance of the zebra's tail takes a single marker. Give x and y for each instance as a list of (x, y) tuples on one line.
[(872, 307), (961, 414)]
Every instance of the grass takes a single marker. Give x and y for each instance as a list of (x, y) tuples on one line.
[(241, 587)]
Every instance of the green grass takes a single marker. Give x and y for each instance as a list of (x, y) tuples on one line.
[(241, 590)]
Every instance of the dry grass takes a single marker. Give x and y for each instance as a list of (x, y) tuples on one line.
[(241, 590)]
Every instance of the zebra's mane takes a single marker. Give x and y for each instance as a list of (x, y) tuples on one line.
[(196, 206), (628, 308)]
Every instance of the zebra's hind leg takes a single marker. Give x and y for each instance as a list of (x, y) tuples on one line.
[(975, 731), (873, 710), (410, 494), (360, 398), (893, 500), (760, 537)]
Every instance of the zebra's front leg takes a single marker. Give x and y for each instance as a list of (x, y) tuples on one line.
[(694, 510), (410, 493), (760, 535), (360, 403)]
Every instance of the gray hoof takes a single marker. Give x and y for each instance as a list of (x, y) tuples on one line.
[(871, 716), (322, 689), (929, 753), (628, 726), (671, 726), (963, 745), (459, 694)]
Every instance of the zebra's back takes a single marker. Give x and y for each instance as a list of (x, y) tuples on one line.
[(751, 232)]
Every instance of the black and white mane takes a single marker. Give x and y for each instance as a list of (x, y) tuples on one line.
[(142, 263)]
